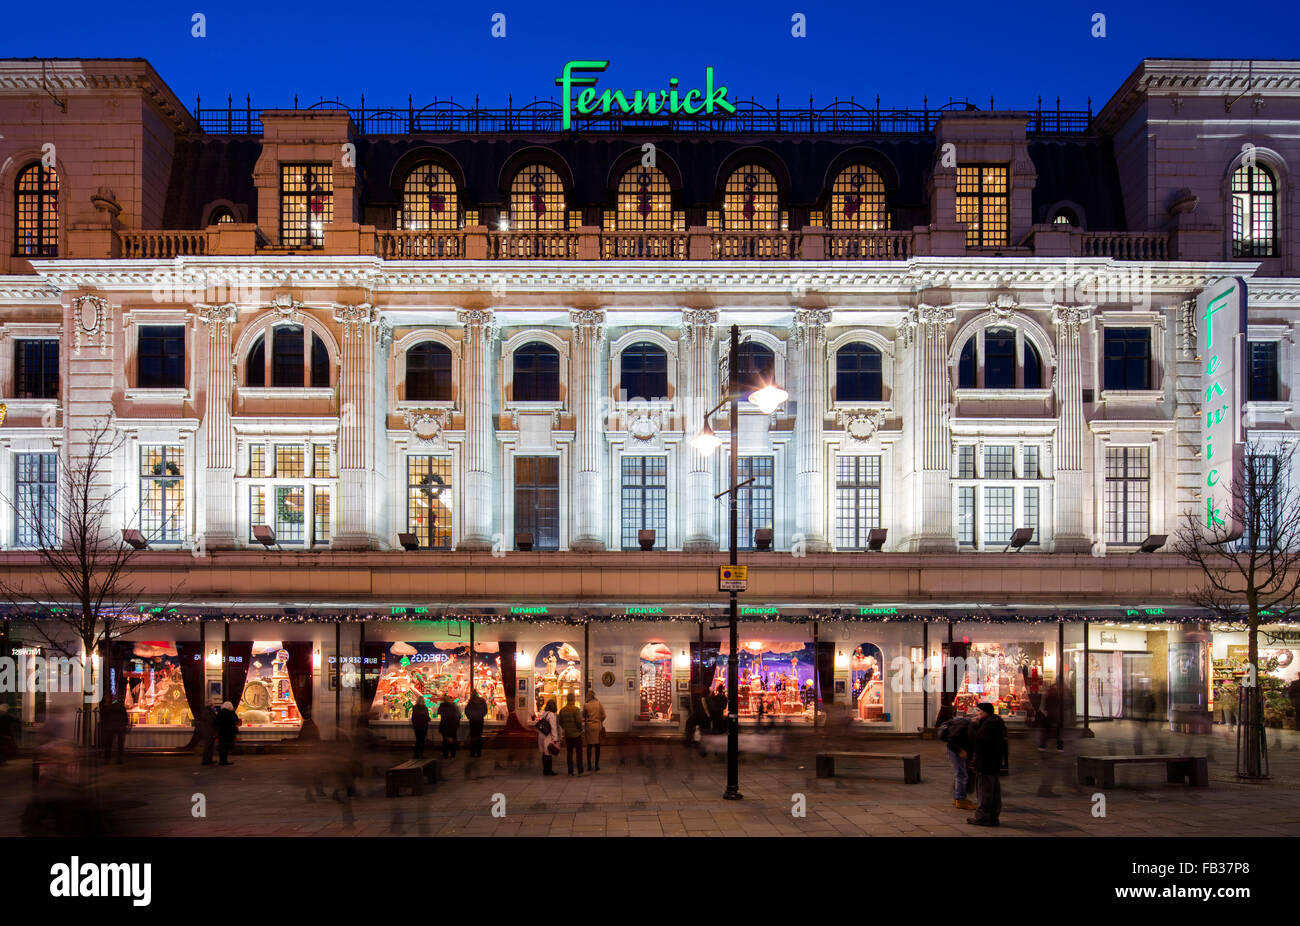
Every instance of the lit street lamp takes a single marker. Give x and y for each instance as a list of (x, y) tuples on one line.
[(767, 399)]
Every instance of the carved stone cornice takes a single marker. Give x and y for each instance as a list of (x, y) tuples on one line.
[(352, 317), (1070, 318), (587, 322), (932, 318), (480, 321), (698, 322), (218, 318), (809, 323)]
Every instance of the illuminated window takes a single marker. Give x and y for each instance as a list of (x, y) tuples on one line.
[(1065, 217), (1128, 494), (289, 461), (221, 216), (321, 513), (306, 204), (428, 372), (984, 204), (645, 201), (858, 375), (36, 212), (857, 500), (645, 500), (999, 358), (751, 201), (320, 460), (430, 200), (429, 501), (537, 201), (1254, 212), (995, 499), (643, 372), (858, 201), (290, 514), (35, 494), (294, 504), (257, 460), (162, 494), (755, 502)]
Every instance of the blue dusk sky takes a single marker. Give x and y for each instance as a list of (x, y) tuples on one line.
[(1014, 50)]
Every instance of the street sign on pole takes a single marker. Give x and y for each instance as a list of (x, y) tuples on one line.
[(733, 578)]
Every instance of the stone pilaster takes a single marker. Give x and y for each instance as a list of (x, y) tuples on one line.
[(1071, 527), (700, 396), (476, 460), (588, 438), (218, 499), (931, 494), (356, 447), (810, 396)]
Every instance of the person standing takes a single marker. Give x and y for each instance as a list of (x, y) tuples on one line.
[(205, 732), (718, 712), (571, 729), (448, 725), (10, 731), (420, 724), (113, 725), (227, 723), (990, 737), (547, 726), (1293, 693), (1053, 716), (476, 712), (957, 734), (593, 715)]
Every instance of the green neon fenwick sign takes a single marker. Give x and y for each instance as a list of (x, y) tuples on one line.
[(710, 101), (1221, 339)]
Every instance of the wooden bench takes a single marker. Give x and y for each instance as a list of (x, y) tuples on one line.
[(911, 763), (412, 773), (1101, 769)]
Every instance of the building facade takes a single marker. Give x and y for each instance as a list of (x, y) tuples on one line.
[(378, 384)]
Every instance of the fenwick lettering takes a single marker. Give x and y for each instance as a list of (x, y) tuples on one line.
[(671, 102), (1222, 312)]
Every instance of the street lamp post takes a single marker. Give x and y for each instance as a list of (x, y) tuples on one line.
[(767, 398)]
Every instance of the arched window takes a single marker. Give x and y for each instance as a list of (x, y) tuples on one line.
[(757, 366), (751, 200), (858, 201), (536, 373), (430, 200), (221, 216), (999, 358), (645, 201), (858, 374), (428, 372), (643, 372), (36, 212), (290, 365), (1065, 216), (537, 200), (1254, 211)]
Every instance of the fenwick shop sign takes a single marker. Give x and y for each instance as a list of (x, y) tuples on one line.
[(710, 101), (1221, 317)]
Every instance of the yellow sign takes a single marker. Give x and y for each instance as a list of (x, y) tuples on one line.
[(733, 578)]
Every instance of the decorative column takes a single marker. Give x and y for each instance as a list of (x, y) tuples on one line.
[(218, 474), (810, 396), (363, 333), (588, 436), (1071, 522), (476, 459), (931, 496), (700, 396)]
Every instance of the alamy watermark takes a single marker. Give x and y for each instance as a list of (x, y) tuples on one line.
[(29, 671)]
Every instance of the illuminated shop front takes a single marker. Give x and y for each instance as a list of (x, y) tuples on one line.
[(427, 671), (153, 686), (656, 684), (267, 701), (775, 678)]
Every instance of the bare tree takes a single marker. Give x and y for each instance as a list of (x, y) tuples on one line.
[(1255, 577), (83, 580)]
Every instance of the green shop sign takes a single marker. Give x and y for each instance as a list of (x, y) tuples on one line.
[(671, 102), (759, 611)]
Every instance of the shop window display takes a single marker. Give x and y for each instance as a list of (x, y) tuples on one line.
[(656, 683), (412, 671), (153, 690), (868, 683), (775, 679), (1279, 669), (1008, 675), (268, 699), (557, 672)]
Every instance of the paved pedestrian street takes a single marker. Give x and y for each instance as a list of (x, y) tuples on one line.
[(658, 787)]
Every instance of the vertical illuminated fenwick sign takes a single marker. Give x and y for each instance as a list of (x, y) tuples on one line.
[(1221, 343), (671, 102)]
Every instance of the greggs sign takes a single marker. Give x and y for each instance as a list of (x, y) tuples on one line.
[(710, 101)]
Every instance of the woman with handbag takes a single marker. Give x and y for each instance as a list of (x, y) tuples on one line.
[(547, 725), (593, 715)]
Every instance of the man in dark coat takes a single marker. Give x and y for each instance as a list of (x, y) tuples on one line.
[(1053, 717), (448, 725), (718, 711), (205, 731), (420, 724), (227, 723), (113, 729), (990, 736), (476, 712)]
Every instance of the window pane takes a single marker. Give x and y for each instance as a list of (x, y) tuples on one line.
[(257, 460), (321, 514), (428, 373), (999, 512), (966, 461), (966, 366), (1032, 470), (255, 370), (1031, 512), (857, 500), (430, 200), (287, 357), (983, 203), (755, 501), (290, 514), (1000, 359), (858, 374), (36, 212), (429, 501), (1127, 494), (36, 368), (537, 500), (536, 373), (320, 363), (858, 201), (35, 494), (751, 201), (160, 357), (643, 372), (537, 200), (289, 461), (162, 494), (999, 462), (644, 500), (757, 366), (306, 204), (320, 460), (1127, 358), (1263, 371), (645, 201), (256, 509), (966, 515)]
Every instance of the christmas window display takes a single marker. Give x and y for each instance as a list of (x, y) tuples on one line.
[(153, 690), (656, 683), (268, 699), (866, 666), (1007, 675), (557, 673), (415, 671), (1278, 670), (775, 679)]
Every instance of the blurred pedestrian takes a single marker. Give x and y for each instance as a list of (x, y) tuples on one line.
[(547, 726), (227, 723), (718, 712), (476, 712), (1293, 693), (1053, 716), (448, 725), (113, 723), (10, 734), (571, 732), (593, 716), (420, 724), (990, 739), (956, 733), (205, 732)]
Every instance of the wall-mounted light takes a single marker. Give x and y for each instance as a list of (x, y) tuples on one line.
[(916, 655), (841, 659), (214, 658), (315, 661), (1049, 662), (682, 660)]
